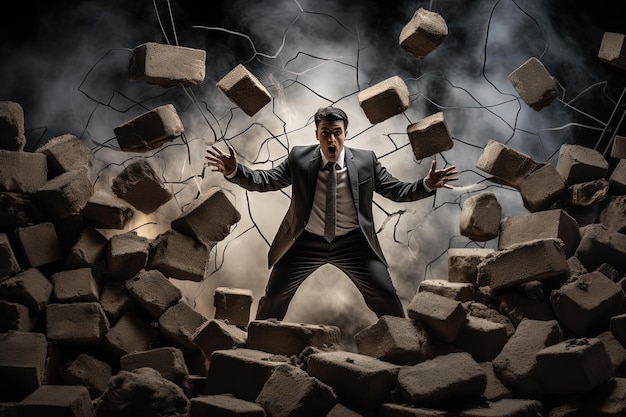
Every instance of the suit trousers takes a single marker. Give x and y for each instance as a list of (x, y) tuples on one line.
[(350, 253)]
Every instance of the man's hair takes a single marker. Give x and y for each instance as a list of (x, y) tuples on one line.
[(330, 114)]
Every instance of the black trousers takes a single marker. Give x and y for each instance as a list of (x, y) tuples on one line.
[(350, 253)]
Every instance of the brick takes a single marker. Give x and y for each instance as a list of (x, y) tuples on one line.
[(506, 407), (215, 334), (599, 245), (179, 256), (400, 410), (541, 188), (495, 389), (460, 378), (115, 300), (538, 259), (617, 180), (477, 309), (534, 84), (454, 290), (150, 130), (613, 49), (245, 90), (208, 218), (341, 369), (167, 65), (30, 288), (8, 262), (548, 224), (57, 400), (139, 185), (66, 153), (12, 126), (442, 317), (517, 307), (40, 244), (130, 334), (480, 217), (153, 292), (284, 338), (505, 163), (396, 340), (179, 323), (127, 254), (613, 214), (481, 338), (19, 210), (618, 148), (516, 365), (384, 100), (233, 305), (168, 361), (578, 164), (589, 193), (230, 367), (82, 323), (88, 251), (587, 303), (607, 399), (22, 172), (463, 262), (423, 33), (17, 317), (223, 405), (105, 210), (574, 366), (73, 285), (616, 352), (618, 327), (429, 136), (66, 194), (90, 372), (22, 364)]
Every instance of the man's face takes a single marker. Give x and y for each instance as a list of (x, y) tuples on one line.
[(331, 136)]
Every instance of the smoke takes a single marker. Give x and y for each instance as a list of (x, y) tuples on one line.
[(68, 69)]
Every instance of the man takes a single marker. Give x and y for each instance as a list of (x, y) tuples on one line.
[(300, 246)]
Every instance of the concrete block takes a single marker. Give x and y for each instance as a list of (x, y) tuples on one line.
[(429, 136), (290, 391), (578, 164), (179, 256), (589, 193), (385, 99), (17, 317), (168, 361), (460, 378), (150, 130), (66, 194), (463, 262), (245, 90), (153, 292), (574, 366), (616, 352), (57, 400), (617, 180), (19, 210), (40, 244), (105, 210), (167, 65), (130, 334), (618, 148), (613, 214), (30, 288), (81, 323), (586, 304), (548, 224), (478, 309), (127, 254), (396, 340), (505, 163), (618, 327), (481, 338), (538, 259), (423, 33), (534, 84), (139, 185), (90, 372), (284, 338), (506, 407), (76, 285), (541, 188), (517, 307), (8, 262), (66, 153), (11, 126), (215, 334), (599, 245), (442, 317), (454, 290), (516, 365), (89, 250), (231, 367), (607, 399), (341, 369), (480, 217), (613, 49), (22, 172), (233, 305), (495, 389), (208, 218), (223, 405), (179, 324), (115, 300), (400, 410), (22, 364)]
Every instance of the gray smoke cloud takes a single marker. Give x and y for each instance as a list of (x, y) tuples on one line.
[(70, 76)]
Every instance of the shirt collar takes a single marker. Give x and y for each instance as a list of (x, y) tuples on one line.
[(340, 161)]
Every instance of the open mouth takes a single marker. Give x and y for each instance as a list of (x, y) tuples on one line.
[(332, 149)]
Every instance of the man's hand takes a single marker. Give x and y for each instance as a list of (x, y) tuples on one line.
[(221, 162), (439, 178)]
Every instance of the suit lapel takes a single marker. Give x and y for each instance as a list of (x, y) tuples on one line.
[(353, 176), (314, 166)]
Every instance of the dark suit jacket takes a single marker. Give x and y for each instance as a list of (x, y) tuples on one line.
[(300, 169)]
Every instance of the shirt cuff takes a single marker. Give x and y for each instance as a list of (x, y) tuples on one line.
[(232, 174), (426, 187)]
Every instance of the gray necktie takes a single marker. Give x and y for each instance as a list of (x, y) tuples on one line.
[(331, 202)]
